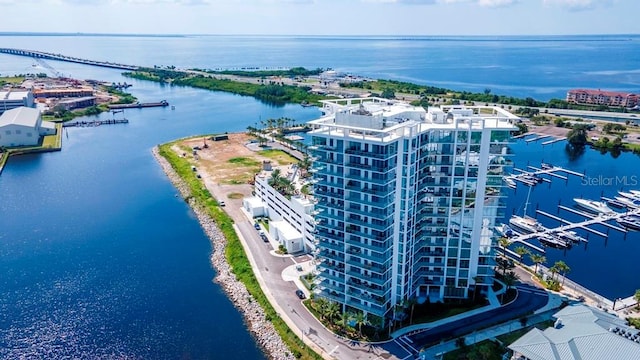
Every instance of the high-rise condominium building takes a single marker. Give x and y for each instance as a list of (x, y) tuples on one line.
[(407, 200)]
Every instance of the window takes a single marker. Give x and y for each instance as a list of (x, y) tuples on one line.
[(28, 134), (8, 132)]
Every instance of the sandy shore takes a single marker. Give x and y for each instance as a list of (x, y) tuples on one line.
[(264, 332)]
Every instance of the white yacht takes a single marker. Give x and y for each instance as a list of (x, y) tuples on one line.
[(505, 230), (510, 182), (630, 222), (570, 235), (630, 203), (598, 207), (629, 195), (526, 223)]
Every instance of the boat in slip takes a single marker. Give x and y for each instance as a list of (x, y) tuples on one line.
[(510, 182), (631, 195), (629, 203), (630, 222), (554, 241), (526, 223), (597, 207), (505, 231), (569, 235)]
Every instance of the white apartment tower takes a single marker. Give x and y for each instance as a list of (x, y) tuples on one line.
[(407, 200)]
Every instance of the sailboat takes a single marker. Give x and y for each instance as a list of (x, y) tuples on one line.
[(525, 222)]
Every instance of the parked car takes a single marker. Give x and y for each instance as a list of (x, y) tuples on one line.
[(256, 226), (300, 294), (221, 203)]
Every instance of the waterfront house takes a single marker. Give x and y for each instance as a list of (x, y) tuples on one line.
[(23, 126)]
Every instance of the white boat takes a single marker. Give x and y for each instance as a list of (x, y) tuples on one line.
[(553, 241), (630, 222), (598, 207), (629, 195), (635, 192), (570, 235), (526, 223), (510, 182), (630, 203)]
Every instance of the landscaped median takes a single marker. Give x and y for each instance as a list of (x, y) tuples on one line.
[(234, 272)]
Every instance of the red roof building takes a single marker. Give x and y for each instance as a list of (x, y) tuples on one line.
[(599, 97)]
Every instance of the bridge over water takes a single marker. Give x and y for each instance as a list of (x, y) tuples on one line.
[(59, 57)]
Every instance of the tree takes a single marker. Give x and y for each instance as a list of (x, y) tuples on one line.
[(345, 317), (636, 297), (537, 259), (521, 251), (503, 242), (360, 319), (563, 269), (333, 310), (510, 279), (577, 136), (388, 93), (321, 306)]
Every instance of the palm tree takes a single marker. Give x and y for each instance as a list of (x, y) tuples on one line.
[(321, 306), (537, 259), (521, 251), (636, 297), (345, 317), (554, 271), (412, 301), (333, 310), (360, 319), (509, 279), (503, 242), (563, 269)]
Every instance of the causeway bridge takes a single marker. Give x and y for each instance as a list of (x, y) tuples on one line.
[(59, 57)]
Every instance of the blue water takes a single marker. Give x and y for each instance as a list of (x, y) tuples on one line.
[(98, 257), (603, 264), (539, 67)]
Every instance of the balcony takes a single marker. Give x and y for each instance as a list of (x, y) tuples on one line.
[(368, 154), (337, 246), (369, 224), (378, 214), (325, 274), (355, 252)]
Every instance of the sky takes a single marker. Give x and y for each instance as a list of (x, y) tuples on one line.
[(323, 17)]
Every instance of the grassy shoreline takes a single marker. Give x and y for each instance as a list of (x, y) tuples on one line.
[(234, 253)]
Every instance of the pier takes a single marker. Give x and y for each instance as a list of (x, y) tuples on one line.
[(162, 103), (95, 123), (531, 177), (60, 57)]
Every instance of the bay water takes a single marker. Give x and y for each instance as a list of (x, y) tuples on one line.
[(100, 259)]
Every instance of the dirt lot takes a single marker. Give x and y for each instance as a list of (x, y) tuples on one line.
[(227, 167)]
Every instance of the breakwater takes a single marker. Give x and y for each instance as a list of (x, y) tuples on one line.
[(254, 316)]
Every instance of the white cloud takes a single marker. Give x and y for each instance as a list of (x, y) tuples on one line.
[(497, 3), (579, 4)]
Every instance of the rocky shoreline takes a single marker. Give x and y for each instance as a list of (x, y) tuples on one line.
[(262, 329)]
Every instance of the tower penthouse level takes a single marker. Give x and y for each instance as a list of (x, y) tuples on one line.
[(406, 200)]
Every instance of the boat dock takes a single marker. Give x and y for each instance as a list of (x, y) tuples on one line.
[(549, 142), (95, 123), (601, 219), (531, 177), (162, 103)]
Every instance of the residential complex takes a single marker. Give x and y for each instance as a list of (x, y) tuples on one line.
[(291, 221), (599, 97), (406, 200)]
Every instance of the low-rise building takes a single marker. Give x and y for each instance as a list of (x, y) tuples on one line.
[(580, 332), (600, 97), (23, 126), (290, 217), (14, 98), (66, 92)]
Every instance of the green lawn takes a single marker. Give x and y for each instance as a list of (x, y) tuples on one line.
[(278, 155)]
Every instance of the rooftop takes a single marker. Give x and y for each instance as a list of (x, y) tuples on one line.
[(20, 116), (581, 333), (14, 94), (384, 120), (601, 92)]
